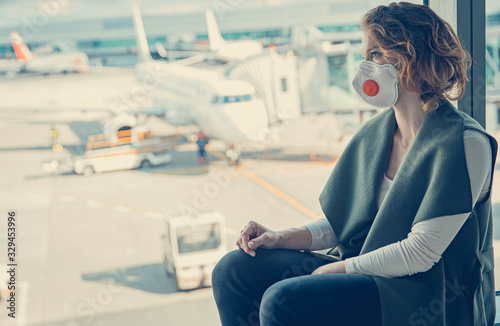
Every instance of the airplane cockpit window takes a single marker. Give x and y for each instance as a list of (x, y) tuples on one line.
[(237, 98), (232, 99)]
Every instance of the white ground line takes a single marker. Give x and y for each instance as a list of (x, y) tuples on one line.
[(95, 203), (122, 209), (67, 199), (153, 215)]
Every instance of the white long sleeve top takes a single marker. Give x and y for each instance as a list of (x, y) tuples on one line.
[(427, 240)]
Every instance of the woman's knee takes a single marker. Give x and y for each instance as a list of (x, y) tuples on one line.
[(230, 267)]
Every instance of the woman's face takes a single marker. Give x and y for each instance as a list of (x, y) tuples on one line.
[(370, 51)]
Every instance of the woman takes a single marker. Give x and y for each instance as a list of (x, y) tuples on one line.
[(407, 206)]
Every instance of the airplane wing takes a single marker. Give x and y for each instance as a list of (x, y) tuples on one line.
[(188, 57), (192, 60), (99, 94)]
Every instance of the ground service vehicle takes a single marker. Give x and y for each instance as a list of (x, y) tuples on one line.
[(128, 149), (193, 244)]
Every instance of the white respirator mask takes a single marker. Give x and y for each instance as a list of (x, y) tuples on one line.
[(376, 84)]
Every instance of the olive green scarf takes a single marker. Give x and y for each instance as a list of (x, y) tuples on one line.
[(432, 181)]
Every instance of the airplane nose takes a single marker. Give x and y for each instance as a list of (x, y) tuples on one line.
[(249, 118)]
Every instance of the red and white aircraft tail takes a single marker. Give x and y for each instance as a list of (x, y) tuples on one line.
[(52, 63), (23, 53)]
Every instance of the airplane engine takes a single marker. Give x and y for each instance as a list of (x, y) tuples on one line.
[(177, 117)]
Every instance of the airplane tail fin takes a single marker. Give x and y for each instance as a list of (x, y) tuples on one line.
[(141, 40), (214, 36), (21, 50)]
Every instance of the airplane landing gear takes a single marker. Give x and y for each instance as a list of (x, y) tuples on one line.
[(233, 156)]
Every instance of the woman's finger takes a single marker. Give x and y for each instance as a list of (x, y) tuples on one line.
[(258, 241), (239, 243), (248, 231), (245, 238)]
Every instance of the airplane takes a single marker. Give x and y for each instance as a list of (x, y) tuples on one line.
[(219, 48), (229, 51), (9, 66), (54, 63), (223, 108), (310, 36), (231, 101)]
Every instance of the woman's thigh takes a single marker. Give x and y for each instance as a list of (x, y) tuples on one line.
[(239, 280), (323, 299)]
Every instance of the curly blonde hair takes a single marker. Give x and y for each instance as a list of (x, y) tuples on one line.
[(430, 59)]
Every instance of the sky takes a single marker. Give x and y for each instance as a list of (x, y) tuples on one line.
[(13, 11)]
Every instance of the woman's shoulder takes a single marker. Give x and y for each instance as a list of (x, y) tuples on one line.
[(473, 131), (474, 135), (469, 122), (477, 140)]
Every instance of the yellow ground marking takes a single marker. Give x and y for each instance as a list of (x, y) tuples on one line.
[(280, 194), (274, 190)]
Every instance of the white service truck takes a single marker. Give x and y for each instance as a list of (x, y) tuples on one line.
[(130, 149), (193, 244), (127, 149)]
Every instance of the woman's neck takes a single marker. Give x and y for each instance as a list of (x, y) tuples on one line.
[(409, 116)]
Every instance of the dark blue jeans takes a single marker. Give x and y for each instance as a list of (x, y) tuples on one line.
[(275, 288)]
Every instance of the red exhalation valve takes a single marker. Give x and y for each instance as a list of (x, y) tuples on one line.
[(370, 87)]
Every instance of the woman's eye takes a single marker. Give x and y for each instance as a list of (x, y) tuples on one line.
[(374, 54)]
